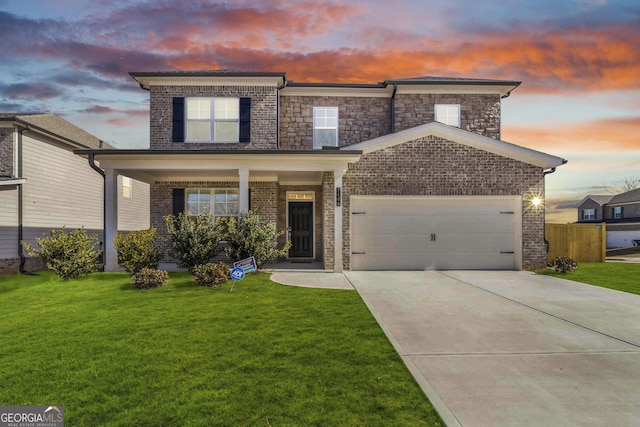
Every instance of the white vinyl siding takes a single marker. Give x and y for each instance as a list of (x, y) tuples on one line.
[(8, 222), (134, 212)]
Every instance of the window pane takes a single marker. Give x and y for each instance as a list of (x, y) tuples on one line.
[(325, 137), (226, 131), (198, 108), (226, 108), (226, 202), (198, 131), (198, 201)]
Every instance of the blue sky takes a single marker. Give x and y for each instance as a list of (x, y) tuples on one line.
[(579, 61)]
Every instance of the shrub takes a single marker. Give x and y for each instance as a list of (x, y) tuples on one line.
[(252, 237), (138, 249), (563, 264), (69, 255), (210, 274), (193, 239), (148, 278)]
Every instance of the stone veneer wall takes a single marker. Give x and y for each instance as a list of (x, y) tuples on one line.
[(263, 115), (318, 215), (478, 113), (264, 196), (434, 166), (359, 119), (6, 151)]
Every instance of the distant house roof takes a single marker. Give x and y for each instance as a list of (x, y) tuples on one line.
[(627, 197), (57, 127), (599, 199)]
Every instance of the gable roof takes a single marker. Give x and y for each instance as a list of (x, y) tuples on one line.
[(56, 127), (627, 197), (470, 139), (599, 199)]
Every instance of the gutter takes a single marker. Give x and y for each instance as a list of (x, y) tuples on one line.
[(96, 168), (393, 108)]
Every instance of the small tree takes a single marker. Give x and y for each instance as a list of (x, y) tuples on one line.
[(193, 239), (138, 249), (69, 255), (252, 237)]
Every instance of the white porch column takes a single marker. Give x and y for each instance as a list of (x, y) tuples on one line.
[(110, 220), (244, 189), (337, 196)]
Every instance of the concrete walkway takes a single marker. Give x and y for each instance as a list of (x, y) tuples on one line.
[(316, 279), (513, 348)]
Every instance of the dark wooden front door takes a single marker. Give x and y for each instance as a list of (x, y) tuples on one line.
[(301, 228)]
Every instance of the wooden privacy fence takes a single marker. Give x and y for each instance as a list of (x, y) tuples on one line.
[(580, 242)]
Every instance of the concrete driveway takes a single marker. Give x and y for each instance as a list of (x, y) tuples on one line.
[(512, 348)]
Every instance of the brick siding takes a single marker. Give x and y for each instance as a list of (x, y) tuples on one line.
[(263, 115), (329, 219), (6, 151), (434, 166)]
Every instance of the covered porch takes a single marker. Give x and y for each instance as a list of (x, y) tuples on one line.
[(285, 186)]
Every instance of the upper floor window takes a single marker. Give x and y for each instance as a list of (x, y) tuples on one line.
[(325, 127), (449, 114), (617, 212), (588, 214), (127, 187), (219, 202), (212, 119)]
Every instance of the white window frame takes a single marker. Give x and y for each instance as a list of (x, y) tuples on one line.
[(212, 119), (617, 212), (448, 114), (588, 214), (319, 114), (211, 207), (127, 187)]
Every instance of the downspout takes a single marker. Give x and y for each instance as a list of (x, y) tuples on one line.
[(23, 257), (95, 167), (393, 108), (544, 210)]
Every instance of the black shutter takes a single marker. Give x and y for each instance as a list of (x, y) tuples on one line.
[(178, 120), (178, 201), (245, 119)]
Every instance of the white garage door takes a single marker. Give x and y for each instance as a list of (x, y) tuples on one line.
[(443, 233)]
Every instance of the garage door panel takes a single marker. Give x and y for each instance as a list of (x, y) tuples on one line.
[(408, 233), (408, 224)]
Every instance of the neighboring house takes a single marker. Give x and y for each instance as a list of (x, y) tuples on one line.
[(402, 174), (43, 185), (621, 213)]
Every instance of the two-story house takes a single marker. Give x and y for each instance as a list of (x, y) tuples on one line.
[(43, 185), (401, 174), (620, 212)]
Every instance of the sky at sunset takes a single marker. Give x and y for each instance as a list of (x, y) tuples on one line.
[(578, 60)]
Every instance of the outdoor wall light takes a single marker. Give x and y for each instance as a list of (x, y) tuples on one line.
[(536, 201)]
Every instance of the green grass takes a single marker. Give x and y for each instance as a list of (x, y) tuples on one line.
[(185, 355), (613, 275)]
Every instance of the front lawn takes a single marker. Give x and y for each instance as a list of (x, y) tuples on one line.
[(185, 355), (621, 276)]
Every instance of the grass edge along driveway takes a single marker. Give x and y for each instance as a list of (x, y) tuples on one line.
[(621, 276), (266, 354)]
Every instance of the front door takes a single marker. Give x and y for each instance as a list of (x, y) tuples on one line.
[(301, 229)]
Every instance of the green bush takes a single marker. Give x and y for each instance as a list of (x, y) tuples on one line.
[(193, 239), (148, 278), (211, 274), (69, 255), (562, 264), (252, 237), (138, 249)]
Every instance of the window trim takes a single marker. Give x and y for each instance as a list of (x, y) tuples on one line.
[(212, 193), (320, 108), (617, 212), (212, 120), (458, 109)]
